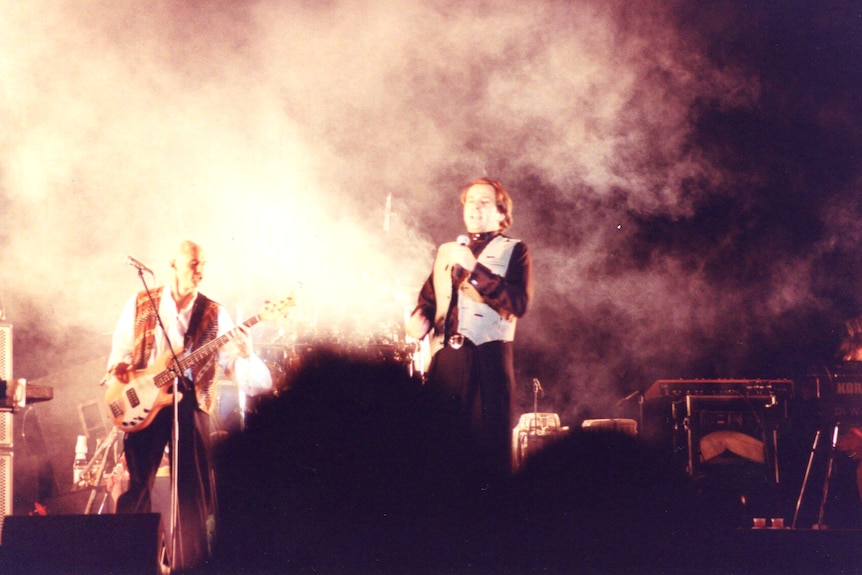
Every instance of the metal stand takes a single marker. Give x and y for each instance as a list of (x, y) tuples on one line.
[(174, 546), (826, 481), (94, 472)]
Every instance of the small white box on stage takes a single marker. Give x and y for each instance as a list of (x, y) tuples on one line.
[(626, 426), (533, 432)]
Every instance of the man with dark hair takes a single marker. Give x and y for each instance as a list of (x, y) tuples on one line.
[(478, 288)]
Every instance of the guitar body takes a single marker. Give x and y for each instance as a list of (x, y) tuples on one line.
[(132, 406)]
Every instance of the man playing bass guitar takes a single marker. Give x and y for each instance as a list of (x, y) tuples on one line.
[(191, 321)]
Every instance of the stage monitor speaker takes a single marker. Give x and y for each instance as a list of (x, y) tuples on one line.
[(6, 458), (82, 544), (6, 352), (741, 417), (7, 434)]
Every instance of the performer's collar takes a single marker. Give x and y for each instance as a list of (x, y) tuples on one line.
[(184, 301), (483, 237)]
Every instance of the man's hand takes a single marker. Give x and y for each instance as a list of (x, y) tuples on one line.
[(121, 372), (458, 255), (242, 340), (418, 325)]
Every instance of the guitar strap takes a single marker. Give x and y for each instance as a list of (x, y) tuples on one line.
[(185, 383), (145, 325), (202, 328), (194, 321)]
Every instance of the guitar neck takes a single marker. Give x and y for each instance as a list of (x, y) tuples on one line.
[(213, 346)]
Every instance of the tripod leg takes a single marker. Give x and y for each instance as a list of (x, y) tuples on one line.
[(828, 477), (805, 478), (98, 463)]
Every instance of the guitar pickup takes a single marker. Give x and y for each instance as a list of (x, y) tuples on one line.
[(116, 409), (132, 396)]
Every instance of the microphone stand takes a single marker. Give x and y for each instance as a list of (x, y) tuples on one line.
[(640, 397), (537, 389), (175, 543)]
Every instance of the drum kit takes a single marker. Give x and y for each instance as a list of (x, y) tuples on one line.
[(284, 356)]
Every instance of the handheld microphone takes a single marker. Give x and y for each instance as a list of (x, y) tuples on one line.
[(140, 267), (457, 270)]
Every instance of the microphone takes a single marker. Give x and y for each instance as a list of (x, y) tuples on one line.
[(140, 267), (457, 270), (537, 386), (537, 391), (629, 397)]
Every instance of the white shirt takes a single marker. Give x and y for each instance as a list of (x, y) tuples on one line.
[(251, 373)]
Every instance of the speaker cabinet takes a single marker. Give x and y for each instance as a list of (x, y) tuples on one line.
[(759, 421), (6, 459), (82, 544), (7, 435), (5, 352)]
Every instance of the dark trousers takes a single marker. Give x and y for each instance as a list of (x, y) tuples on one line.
[(475, 385), (143, 451)]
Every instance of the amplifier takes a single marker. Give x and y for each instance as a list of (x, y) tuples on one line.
[(752, 416), (709, 420), (6, 352), (837, 391), (6, 488)]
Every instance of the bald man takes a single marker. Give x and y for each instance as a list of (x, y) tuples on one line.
[(190, 320)]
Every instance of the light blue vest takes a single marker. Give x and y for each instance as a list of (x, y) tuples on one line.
[(476, 319)]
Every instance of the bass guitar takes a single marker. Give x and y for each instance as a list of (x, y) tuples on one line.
[(133, 405)]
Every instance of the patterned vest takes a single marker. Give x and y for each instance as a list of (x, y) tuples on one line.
[(476, 319), (204, 328)]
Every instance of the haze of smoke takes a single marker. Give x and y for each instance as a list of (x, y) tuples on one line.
[(272, 133)]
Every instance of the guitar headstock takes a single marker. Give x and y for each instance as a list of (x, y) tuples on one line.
[(274, 309)]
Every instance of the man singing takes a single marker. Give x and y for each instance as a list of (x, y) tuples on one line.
[(470, 303)]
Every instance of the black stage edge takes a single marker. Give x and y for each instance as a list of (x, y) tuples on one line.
[(131, 544), (81, 544), (792, 551)]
